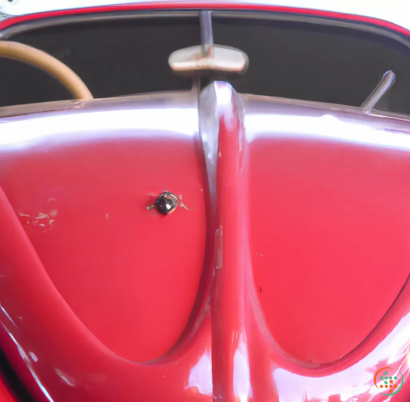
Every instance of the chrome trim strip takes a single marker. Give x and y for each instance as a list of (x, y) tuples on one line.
[(393, 11), (129, 100)]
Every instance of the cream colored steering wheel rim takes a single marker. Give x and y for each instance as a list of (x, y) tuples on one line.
[(42, 60)]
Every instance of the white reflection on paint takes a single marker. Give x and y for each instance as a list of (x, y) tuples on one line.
[(326, 126), (353, 381), (7, 315), (66, 378), (200, 375), (33, 356), (118, 124), (241, 374)]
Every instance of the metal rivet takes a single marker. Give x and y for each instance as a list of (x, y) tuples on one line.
[(166, 203)]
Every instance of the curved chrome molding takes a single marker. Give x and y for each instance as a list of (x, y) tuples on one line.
[(382, 87)]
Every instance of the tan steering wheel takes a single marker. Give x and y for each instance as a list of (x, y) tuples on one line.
[(42, 60)]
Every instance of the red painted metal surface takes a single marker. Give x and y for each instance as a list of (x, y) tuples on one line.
[(309, 295), (304, 329), (53, 342), (95, 193), (229, 302), (253, 344), (50, 323), (5, 393), (111, 271), (308, 312), (333, 233)]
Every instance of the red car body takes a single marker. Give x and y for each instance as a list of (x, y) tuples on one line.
[(281, 276)]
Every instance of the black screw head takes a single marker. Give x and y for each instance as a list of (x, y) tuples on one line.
[(166, 203)]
